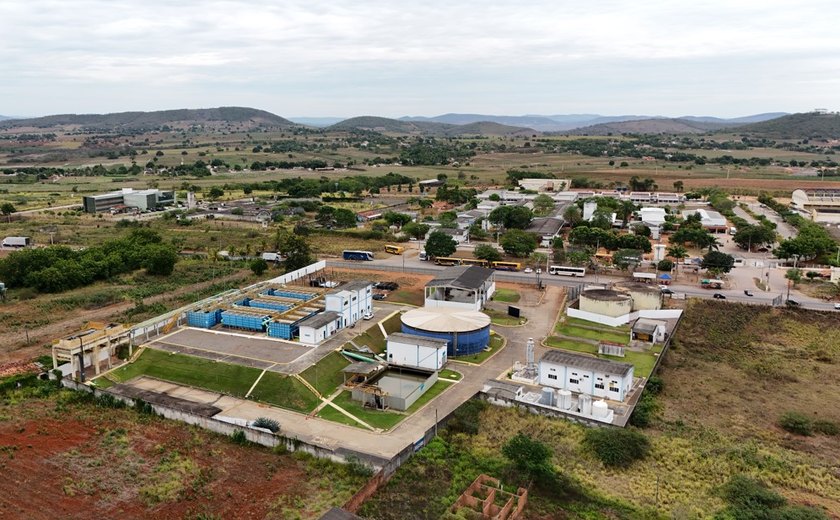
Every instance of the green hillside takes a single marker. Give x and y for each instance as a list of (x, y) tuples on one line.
[(396, 126), (808, 125)]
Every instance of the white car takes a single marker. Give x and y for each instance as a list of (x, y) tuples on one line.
[(528, 270), (368, 316), (837, 306)]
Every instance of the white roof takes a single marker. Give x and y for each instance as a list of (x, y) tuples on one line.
[(655, 216), (444, 319)]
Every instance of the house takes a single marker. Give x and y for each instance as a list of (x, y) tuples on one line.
[(318, 327), (367, 216), (548, 228), (586, 375), (652, 217), (416, 351), (710, 220), (652, 331), (461, 287), (351, 301)]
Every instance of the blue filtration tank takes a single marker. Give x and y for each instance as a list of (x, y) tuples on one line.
[(204, 320), (465, 332)]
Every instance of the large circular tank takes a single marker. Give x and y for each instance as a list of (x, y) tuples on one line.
[(645, 297), (606, 302), (465, 331)]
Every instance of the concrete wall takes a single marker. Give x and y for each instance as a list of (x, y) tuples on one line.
[(612, 308), (617, 321)]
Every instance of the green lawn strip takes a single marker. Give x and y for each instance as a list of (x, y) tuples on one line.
[(326, 375), (226, 378), (406, 296), (103, 382), (479, 358), (642, 361), (430, 394), (500, 318), (331, 414), (449, 375), (377, 419), (594, 325), (285, 392), (393, 324), (570, 330), (506, 295), (372, 338)]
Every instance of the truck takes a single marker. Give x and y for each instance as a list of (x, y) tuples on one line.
[(17, 242), (271, 257)]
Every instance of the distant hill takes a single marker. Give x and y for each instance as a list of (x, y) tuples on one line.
[(809, 125), (318, 122), (142, 120), (4, 118), (541, 123), (397, 126), (650, 126), (746, 119)]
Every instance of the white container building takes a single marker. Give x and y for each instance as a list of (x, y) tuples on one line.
[(416, 351)]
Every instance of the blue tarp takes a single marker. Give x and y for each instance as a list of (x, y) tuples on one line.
[(665, 276)]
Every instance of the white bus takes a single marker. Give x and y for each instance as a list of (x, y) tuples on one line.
[(563, 270)]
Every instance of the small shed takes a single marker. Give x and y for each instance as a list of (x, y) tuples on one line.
[(653, 331)]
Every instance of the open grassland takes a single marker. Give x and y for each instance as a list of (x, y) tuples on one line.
[(93, 460), (325, 376)]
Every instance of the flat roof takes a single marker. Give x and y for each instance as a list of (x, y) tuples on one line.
[(445, 319), (361, 367), (317, 321), (355, 285), (605, 294), (570, 359), (462, 277), (647, 325), (414, 339), (545, 225)]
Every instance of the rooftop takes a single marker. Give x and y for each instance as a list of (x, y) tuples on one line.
[(462, 277), (319, 320), (355, 285), (362, 367), (414, 339), (545, 226), (605, 294), (570, 359), (647, 326)]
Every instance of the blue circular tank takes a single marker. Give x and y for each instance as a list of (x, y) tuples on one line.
[(458, 343)]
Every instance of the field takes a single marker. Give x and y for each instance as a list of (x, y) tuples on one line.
[(63, 455), (726, 381)]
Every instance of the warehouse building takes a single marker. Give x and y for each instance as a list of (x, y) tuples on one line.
[(415, 351), (461, 287), (142, 200), (710, 220), (821, 205), (586, 375)]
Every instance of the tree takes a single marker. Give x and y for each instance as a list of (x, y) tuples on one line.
[(325, 215), (717, 262), (543, 204), (617, 446), (494, 197), (665, 265), (440, 244), (572, 215), (530, 456), (416, 230), (750, 236), (258, 266), (678, 186), (344, 218), (626, 258), (7, 208), (295, 248), (160, 260), (487, 252), (518, 243), (215, 192), (625, 211), (511, 217), (794, 275), (677, 252), (641, 230), (396, 219)]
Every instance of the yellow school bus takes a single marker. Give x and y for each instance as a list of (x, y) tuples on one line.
[(394, 250), (507, 266), (475, 261), (445, 260)]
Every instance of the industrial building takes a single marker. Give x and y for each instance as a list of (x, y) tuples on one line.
[(352, 301), (461, 287), (382, 388), (416, 351), (318, 327), (644, 296), (821, 205), (586, 375), (710, 220), (96, 344), (141, 200), (465, 331)]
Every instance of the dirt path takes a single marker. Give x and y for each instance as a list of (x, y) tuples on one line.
[(14, 347)]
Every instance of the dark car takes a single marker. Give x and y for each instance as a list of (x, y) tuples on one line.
[(378, 296), (387, 286), (793, 303), (666, 291), (718, 296), (748, 293)]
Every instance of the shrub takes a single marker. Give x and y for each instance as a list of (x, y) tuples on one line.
[(747, 495), (617, 447), (645, 410), (356, 467), (826, 428), (268, 424), (238, 437), (797, 423)]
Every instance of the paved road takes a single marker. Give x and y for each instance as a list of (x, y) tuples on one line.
[(782, 227)]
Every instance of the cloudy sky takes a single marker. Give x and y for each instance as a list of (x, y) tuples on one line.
[(393, 58)]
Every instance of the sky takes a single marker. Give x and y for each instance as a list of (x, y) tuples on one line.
[(344, 58)]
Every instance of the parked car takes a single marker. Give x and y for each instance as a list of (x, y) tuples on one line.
[(662, 287), (793, 303), (379, 296), (837, 306), (748, 293), (718, 296), (387, 286), (667, 291), (528, 270), (368, 316)]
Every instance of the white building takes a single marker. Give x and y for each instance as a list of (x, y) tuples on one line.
[(821, 205), (586, 375), (351, 301), (416, 351), (318, 327), (710, 220), (461, 287), (652, 331), (652, 217), (545, 184)]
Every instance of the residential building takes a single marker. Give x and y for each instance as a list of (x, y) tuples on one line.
[(416, 351), (351, 301), (461, 287), (710, 220), (548, 228), (586, 375)]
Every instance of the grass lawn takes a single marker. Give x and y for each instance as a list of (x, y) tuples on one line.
[(449, 375), (571, 330), (506, 295), (594, 325), (496, 342), (502, 319), (393, 324), (411, 297), (326, 375), (103, 382), (225, 378), (285, 392), (372, 338), (567, 344), (384, 420), (331, 414), (642, 361)]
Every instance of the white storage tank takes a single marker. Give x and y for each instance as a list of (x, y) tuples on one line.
[(564, 399), (606, 302), (600, 408), (585, 404), (547, 396), (645, 297)]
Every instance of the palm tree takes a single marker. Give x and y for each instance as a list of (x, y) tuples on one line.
[(678, 253), (625, 210)]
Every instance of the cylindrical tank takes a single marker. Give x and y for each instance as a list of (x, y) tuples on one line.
[(606, 302), (564, 399), (585, 404), (600, 409), (465, 331), (547, 397), (645, 297)]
